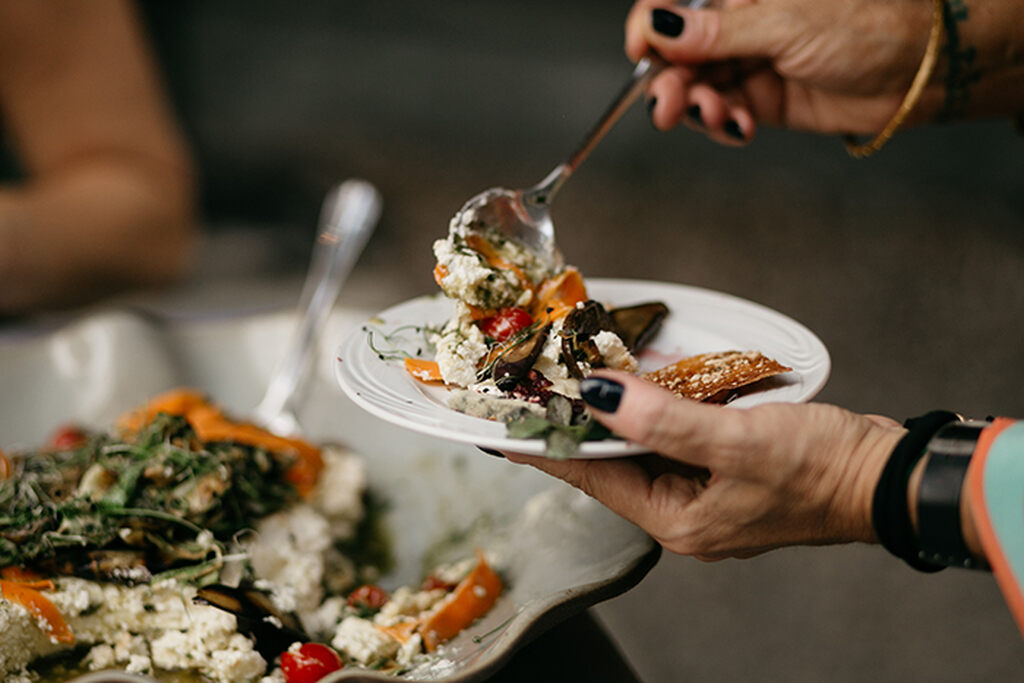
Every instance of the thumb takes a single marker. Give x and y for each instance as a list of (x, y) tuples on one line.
[(654, 417), (694, 36)]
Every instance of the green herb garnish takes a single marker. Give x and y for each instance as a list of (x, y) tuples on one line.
[(158, 494), (562, 438), (395, 344)]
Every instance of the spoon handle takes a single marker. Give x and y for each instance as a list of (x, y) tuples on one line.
[(644, 71), (349, 214), (647, 68)]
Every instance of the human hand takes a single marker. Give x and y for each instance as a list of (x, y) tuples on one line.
[(733, 482), (831, 66)]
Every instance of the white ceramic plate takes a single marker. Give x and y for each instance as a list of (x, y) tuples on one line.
[(560, 550), (699, 321)]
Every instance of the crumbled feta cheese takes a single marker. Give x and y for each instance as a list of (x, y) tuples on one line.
[(100, 657), (212, 645), (289, 551), (614, 352), (136, 628), (22, 640), (455, 572), (410, 649), (460, 348), (549, 361), (405, 602), (362, 641), (339, 491), (325, 618), (140, 664), (467, 277)]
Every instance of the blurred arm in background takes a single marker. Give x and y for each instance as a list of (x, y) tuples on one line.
[(108, 197)]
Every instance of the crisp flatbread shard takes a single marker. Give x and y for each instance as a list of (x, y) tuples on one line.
[(712, 377)]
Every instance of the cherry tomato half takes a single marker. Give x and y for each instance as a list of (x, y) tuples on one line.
[(67, 437), (368, 596), (506, 323), (312, 662)]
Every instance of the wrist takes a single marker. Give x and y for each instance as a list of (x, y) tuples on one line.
[(890, 509), (877, 449)]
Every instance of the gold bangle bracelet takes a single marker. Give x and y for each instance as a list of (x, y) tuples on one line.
[(913, 96)]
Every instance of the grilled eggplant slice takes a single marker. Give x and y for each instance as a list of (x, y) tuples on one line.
[(578, 331), (637, 325), (517, 362), (271, 630)]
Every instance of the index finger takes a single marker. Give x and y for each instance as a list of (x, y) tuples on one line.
[(736, 30)]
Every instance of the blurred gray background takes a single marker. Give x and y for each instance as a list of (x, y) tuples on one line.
[(909, 265)]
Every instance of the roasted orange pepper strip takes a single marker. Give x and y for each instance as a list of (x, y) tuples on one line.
[(423, 370), (212, 425), (6, 467), (557, 296), (46, 614), (470, 600)]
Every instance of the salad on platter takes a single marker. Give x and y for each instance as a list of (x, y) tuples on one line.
[(186, 545)]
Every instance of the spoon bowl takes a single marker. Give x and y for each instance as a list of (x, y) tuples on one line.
[(524, 215)]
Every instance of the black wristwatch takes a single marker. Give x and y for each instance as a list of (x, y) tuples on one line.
[(939, 531)]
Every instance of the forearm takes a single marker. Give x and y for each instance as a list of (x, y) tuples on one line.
[(91, 229)]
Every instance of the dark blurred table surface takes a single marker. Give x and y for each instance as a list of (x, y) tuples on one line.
[(578, 649)]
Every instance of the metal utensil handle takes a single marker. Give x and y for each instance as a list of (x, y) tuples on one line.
[(644, 71), (349, 213)]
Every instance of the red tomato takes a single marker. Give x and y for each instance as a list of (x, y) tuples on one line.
[(312, 662), (67, 437), (368, 596), (506, 323)]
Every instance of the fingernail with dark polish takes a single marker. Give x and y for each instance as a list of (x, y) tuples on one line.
[(490, 451), (601, 393), (651, 104), (693, 113), (732, 129), (666, 22)]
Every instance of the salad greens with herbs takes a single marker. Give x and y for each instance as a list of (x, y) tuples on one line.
[(121, 507)]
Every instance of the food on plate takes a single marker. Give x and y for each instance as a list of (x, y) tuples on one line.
[(524, 332), (185, 540)]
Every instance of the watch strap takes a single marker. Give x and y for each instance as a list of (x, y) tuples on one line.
[(939, 527)]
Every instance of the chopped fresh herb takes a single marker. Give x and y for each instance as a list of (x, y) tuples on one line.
[(395, 343)]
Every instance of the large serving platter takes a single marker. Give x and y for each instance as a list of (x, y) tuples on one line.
[(699, 321), (562, 550)]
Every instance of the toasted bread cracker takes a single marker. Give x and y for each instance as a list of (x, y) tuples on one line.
[(712, 377)]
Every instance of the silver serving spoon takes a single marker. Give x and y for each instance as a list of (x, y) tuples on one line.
[(348, 216), (524, 215)]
